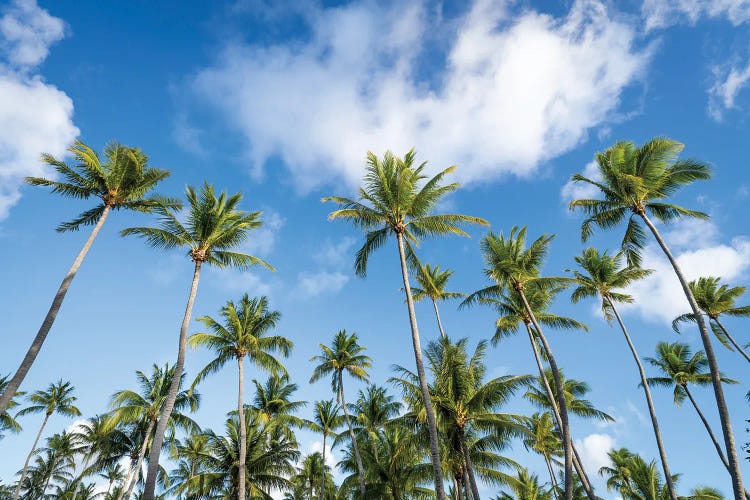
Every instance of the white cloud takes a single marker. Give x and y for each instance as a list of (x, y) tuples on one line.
[(187, 136), (335, 254), (727, 85), (582, 190), (515, 89), (248, 282), (665, 13), (263, 240), (317, 447), (593, 450), (35, 117), (323, 282)]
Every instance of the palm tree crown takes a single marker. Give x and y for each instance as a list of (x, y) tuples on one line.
[(57, 398), (345, 355)]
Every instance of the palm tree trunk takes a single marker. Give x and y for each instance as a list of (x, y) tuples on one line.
[(649, 401), (139, 462), (161, 427), (553, 481), (357, 457), (567, 441), (467, 488), (469, 466), (731, 339), (243, 433), (431, 425), (457, 488), (437, 315), (556, 413), (726, 424), (126, 484), (49, 319), (323, 469), (28, 458)]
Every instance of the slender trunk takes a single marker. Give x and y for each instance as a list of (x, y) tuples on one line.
[(126, 484), (48, 479), (437, 315), (457, 488), (49, 319), (567, 442), (109, 487), (467, 488), (28, 458), (323, 473), (469, 466), (556, 413), (731, 339), (431, 425), (649, 401), (139, 462), (726, 424), (161, 427), (357, 457), (553, 481), (243, 433)]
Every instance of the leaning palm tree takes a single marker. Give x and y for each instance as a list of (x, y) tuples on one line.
[(212, 228), (326, 420), (395, 201), (59, 399), (515, 268), (344, 355), (716, 300), (244, 333), (679, 368), (432, 282), (603, 276), (635, 184), (121, 181)]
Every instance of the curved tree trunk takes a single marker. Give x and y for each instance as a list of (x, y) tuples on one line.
[(553, 481), (563, 406), (28, 458), (49, 319), (437, 315), (469, 466), (243, 433), (649, 401), (166, 412), (556, 413), (323, 474), (357, 457), (431, 425), (128, 490), (726, 424), (731, 339)]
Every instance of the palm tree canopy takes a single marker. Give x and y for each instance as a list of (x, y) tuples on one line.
[(432, 284), (212, 228), (345, 355), (635, 180), (121, 180), (245, 332), (7, 421), (574, 392), (714, 299), (58, 398), (396, 200), (326, 418), (272, 401)]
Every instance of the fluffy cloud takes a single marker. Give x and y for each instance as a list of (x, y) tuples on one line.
[(664, 13), (593, 450), (515, 89), (319, 283), (728, 82), (35, 117)]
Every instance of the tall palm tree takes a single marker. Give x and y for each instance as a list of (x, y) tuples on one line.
[(679, 368), (512, 310), (112, 473), (326, 420), (574, 393), (7, 421), (716, 300), (432, 282), (396, 201), (636, 182), (57, 399), (58, 462), (141, 409), (121, 181), (542, 438), (634, 478), (101, 444), (525, 487), (344, 355), (212, 229), (244, 333), (603, 276), (514, 267), (273, 403)]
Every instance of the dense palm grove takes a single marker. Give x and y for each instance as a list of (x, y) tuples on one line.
[(439, 429)]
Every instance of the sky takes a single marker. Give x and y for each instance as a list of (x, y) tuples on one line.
[(282, 100)]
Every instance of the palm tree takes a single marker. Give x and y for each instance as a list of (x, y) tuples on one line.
[(512, 310), (122, 181), (514, 267), (345, 355), (715, 300), (7, 421), (433, 282), (101, 442), (525, 486), (602, 275), (634, 478), (374, 409), (326, 420), (59, 399), (272, 403), (140, 409), (245, 333), (112, 473), (542, 438), (574, 393), (679, 367), (312, 475), (58, 461), (395, 201), (635, 183), (213, 227)]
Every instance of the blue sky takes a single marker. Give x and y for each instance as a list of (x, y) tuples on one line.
[(281, 100)]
